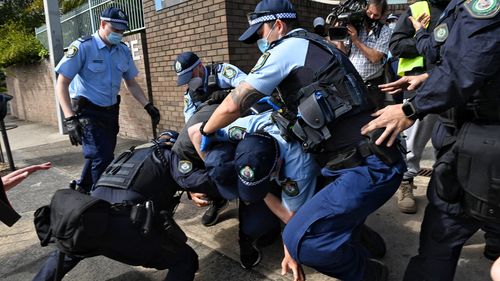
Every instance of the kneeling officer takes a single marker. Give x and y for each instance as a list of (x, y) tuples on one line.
[(142, 194)]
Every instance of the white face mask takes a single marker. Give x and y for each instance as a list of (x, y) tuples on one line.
[(262, 43)]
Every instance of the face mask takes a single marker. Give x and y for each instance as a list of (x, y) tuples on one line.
[(262, 43), (115, 38), (320, 30), (370, 21), (392, 25)]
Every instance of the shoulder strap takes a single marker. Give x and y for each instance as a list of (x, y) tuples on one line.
[(312, 37), (85, 38)]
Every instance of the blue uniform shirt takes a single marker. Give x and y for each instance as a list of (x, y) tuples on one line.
[(97, 70), (277, 63), (299, 171), (228, 76), (470, 56)]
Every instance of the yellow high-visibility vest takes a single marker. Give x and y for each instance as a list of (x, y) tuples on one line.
[(407, 64)]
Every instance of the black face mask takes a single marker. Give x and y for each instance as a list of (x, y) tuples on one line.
[(320, 30), (440, 3)]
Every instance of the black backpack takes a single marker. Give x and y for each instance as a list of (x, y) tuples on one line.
[(75, 222)]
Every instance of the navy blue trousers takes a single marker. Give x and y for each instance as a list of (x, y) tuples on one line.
[(323, 233)]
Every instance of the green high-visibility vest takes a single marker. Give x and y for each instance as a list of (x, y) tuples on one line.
[(407, 64)]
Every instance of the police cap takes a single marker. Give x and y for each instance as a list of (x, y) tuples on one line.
[(266, 10), (116, 17), (256, 158), (220, 168), (184, 65)]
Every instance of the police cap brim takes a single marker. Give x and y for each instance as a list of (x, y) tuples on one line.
[(118, 25), (250, 36)]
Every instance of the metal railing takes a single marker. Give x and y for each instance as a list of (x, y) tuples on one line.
[(84, 20)]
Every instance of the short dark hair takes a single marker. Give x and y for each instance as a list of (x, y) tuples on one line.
[(379, 3), (291, 24)]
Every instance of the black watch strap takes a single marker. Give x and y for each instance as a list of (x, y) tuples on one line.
[(409, 110), (203, 132)]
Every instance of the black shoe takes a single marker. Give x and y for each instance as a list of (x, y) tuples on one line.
[(249, 253), (375, 271), (211, 216), (373, 242), (73, 185)]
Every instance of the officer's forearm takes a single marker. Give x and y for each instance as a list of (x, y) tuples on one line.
[(62, 92), (195, 137), (136, 91), (274, 204), (372, 55)]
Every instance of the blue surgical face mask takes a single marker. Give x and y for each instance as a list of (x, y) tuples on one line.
[(115, 38), (262, 43)]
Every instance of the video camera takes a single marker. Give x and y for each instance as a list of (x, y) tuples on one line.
[(350, 12)]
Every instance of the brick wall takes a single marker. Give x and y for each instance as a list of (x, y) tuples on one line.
[(33, 92)]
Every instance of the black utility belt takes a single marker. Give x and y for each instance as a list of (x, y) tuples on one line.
[(351, 157), (84, 103)]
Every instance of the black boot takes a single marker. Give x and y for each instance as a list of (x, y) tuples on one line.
[(373, 242), (375, 271), (211, 216), (249, 253)]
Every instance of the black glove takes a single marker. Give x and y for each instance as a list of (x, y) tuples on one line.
[(75, 130), (153, 112), (217, 97)]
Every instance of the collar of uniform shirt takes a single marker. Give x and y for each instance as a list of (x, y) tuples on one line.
[(100, 43)]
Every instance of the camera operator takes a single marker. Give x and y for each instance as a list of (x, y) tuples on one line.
[(369, 46)]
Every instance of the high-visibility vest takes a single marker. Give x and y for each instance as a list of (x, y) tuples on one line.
[(407, 64)]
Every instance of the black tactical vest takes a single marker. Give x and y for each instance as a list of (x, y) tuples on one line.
[(145, 170)]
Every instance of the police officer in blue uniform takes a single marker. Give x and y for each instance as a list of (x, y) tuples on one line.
[(205, 82), (95, 66), (323, 234), (462, 192), (146, 173), (263, 161)]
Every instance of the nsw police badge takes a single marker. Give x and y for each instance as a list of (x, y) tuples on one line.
[(441, 33), (185, 166), (246, 173), (236, 133), (260, 63), (482, 9), (178, 67), (290, 188), (229, 72), (72, 50)]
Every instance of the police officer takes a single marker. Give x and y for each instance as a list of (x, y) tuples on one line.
[(414, 61), (205, 82), (273, 27), (146, 173), (95, 66), (466, 80), (261, 161)]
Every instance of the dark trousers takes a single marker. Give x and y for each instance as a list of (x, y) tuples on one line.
[(126, 244), (375, 95), (256, 219), (441, 240), (100, 130)]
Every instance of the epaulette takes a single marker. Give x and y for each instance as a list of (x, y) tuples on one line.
[(85, 38)]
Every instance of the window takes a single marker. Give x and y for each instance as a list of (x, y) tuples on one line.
[(162, 4)]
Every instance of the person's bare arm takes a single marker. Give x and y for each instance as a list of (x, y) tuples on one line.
[(62, 92), (237, 102), (274, 204), (135, 89), (16, 177), (195, 137)]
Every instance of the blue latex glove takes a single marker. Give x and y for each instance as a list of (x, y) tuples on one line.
[(268, 101), (206, 142)]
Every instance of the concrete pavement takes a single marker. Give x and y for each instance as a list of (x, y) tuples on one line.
[(21, 255)]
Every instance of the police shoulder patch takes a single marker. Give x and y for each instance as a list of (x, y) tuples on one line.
[(236, 133), (441, 33), (482, 9), (290, 188), (260, 63), (72, 50), (229, 72), (185, 166)]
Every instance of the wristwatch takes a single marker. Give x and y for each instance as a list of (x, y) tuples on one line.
[(202, 132), (409, 110)]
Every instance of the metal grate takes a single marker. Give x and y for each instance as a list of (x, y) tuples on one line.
[(425, 172), (85, 19)]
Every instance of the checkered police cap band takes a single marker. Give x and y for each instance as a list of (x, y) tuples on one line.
[(275, 162), (271, 17), (189, 68), (114, 20)]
